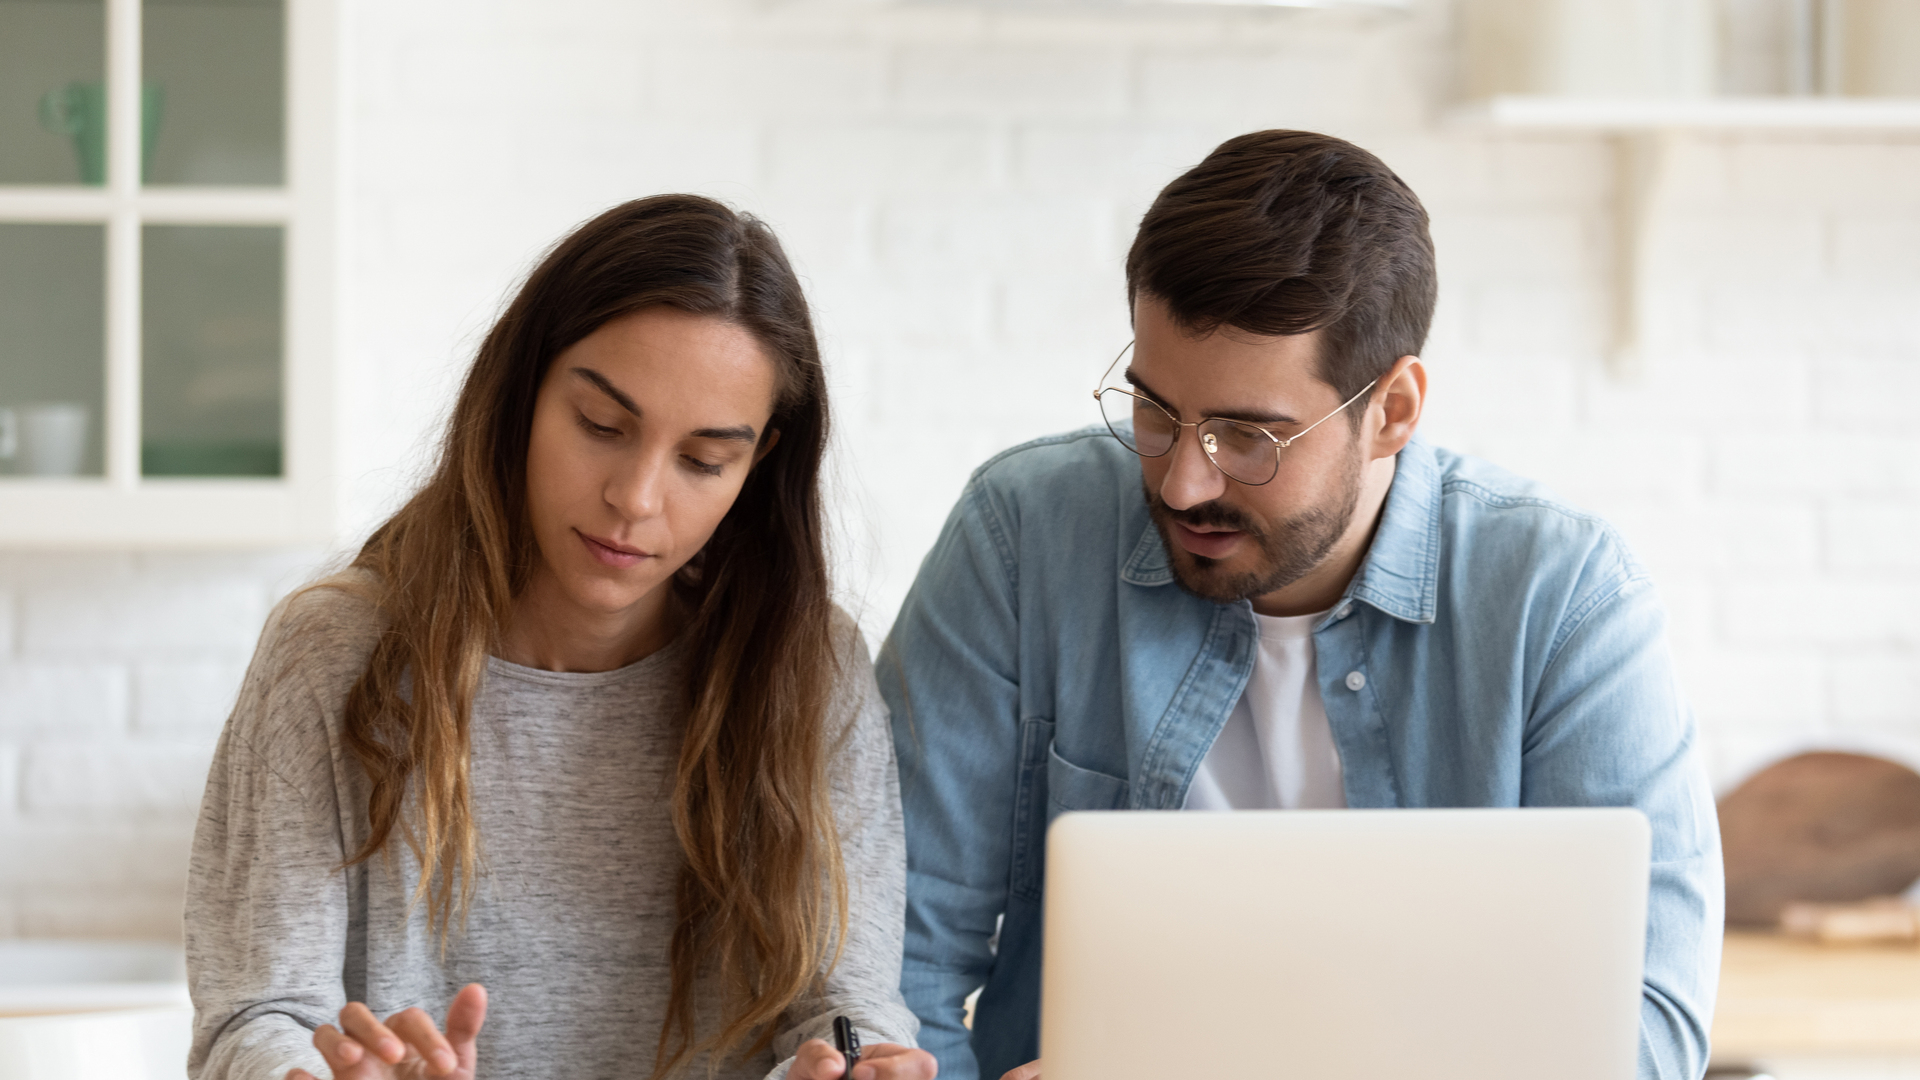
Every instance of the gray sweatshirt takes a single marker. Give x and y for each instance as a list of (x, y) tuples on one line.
[(570, 925)]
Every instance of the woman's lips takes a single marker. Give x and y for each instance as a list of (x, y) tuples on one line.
[(1209, 545), (610, 554)]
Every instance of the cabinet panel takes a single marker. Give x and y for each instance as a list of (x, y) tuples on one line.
[(53, 102), (218, 68), (52, 349), (211, 350)]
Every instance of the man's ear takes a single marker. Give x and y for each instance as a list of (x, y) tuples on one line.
[(1401, 395), (767, 443)]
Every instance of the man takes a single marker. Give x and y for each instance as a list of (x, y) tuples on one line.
[(1255, 588)]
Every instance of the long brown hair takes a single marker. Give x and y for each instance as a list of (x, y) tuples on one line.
[(761, 896)]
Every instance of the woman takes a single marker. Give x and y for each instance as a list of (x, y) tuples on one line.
[(578, 748)]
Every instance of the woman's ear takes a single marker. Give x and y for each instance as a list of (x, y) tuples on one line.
[(767, 443)]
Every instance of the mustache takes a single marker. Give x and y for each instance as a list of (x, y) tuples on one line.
[(1212, 514)]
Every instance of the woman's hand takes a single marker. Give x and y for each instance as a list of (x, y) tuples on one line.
[(1029, 1071), (407, 1046), (818, 1060)]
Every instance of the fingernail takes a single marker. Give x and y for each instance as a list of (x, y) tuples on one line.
[(392, 1050), (443, 1060)]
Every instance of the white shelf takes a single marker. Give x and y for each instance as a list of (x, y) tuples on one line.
[(1051, 6), (181, 205), (1544, 112), (38, 513), (1642, 130)]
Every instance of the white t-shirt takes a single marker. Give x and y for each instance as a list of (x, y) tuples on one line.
[(1276, 752)]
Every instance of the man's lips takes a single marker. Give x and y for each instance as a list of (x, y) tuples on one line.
[(611, 554), (1210, 543)]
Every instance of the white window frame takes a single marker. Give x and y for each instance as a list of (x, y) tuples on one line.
[(124, 510)]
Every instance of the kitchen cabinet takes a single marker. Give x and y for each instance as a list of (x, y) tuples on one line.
[(166, 272)]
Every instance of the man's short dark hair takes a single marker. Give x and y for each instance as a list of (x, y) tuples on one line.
[(1284, 232)]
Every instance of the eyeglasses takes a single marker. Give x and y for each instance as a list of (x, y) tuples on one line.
[(1242, 451)]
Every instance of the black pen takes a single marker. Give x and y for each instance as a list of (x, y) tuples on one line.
[(848, 1043)]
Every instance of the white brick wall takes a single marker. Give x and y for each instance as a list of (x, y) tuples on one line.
[(958, 187), (116, 675)]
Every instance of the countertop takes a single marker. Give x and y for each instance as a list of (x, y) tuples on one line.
[(1785, 996)]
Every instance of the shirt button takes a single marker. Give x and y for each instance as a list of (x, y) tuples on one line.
[(1355, 680), (1345, 610)]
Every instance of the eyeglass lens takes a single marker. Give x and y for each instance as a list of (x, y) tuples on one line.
[(1242, 451)]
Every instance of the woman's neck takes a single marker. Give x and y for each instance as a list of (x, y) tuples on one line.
[(550, 631)]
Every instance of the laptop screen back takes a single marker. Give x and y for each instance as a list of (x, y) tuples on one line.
[(1344, 944)]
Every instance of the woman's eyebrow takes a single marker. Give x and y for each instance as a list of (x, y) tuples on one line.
[(741, 432), (601, 383), (738, 432)]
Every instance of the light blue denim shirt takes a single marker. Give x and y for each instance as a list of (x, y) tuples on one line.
[(1496, 648)]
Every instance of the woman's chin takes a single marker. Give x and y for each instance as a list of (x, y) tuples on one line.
[(603, 593)]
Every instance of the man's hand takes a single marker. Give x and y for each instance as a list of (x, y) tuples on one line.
[(407, 1046), (818, 1060), (1029, 1071)]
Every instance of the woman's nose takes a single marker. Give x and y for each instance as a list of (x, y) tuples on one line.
[(637, 489)]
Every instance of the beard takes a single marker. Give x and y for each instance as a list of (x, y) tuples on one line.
[(1288, 550)]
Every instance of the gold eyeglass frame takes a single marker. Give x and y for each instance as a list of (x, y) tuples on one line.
[(1208, 444)]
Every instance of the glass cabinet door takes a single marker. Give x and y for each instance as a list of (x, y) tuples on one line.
[(52, 341), (173, 296), (210, 344), (167, 271)]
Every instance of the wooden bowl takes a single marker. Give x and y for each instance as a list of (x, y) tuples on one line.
[(1821, 826)]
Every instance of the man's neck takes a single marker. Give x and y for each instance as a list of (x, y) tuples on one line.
[(1322, 587)]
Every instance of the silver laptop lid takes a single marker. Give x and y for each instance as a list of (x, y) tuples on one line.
[(1344, 944)]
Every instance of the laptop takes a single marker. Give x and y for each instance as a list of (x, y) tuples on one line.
[(1344, 944)]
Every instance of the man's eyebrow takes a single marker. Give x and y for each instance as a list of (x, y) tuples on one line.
[(1145, 389), (1243, 415), (600, 383)]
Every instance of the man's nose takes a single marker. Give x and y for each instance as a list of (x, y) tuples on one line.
[(1191, 479)]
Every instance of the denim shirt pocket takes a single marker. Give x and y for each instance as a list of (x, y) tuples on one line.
[(1048, 786), (1071, 787)]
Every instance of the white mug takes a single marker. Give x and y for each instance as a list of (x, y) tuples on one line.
[(44, 440)]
